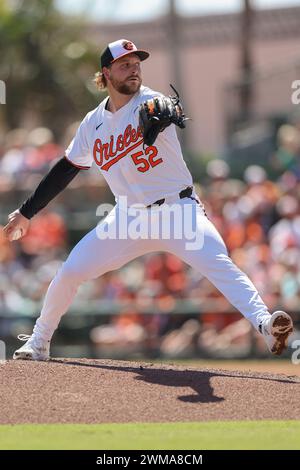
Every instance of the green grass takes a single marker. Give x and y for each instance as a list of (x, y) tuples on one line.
[(208, 435)]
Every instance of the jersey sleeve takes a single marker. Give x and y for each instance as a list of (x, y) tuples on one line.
[(147, 93), (78, 152)]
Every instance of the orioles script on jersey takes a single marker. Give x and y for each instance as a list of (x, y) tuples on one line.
[(111, 152)]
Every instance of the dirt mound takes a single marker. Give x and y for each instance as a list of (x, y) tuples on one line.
[(99, 391)]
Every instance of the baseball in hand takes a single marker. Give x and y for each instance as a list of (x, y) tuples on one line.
[(17, 234)]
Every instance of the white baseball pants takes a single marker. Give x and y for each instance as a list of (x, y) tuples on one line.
[(100, 251)]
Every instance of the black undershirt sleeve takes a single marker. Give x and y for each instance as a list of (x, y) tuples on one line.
[(58, 178)]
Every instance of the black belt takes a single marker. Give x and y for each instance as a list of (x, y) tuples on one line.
[(187, 192)]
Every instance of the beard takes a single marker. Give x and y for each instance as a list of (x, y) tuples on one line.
[(126, 87)]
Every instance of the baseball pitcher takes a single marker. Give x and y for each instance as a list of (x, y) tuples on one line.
[(131, 137)]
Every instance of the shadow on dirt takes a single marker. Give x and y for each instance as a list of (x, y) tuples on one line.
[(197, 380)]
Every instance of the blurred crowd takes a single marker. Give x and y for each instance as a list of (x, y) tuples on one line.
[(258, 218)]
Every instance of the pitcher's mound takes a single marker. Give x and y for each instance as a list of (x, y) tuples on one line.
[(100, 391)]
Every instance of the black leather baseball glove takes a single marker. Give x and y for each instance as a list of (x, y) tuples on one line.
[(159, 112)]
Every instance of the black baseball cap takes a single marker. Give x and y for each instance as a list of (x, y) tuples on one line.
[(120, 48)]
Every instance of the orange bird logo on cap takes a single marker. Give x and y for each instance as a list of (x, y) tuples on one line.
[(128, 45)]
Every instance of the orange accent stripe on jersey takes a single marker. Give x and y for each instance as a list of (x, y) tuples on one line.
[(77, 166), (107, 165)]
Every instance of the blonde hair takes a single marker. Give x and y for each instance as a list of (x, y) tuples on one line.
[(100, 81)]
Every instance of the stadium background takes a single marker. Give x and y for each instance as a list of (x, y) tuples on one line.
[(234, 72)]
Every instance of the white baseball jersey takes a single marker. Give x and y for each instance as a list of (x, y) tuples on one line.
[(115, 143)]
